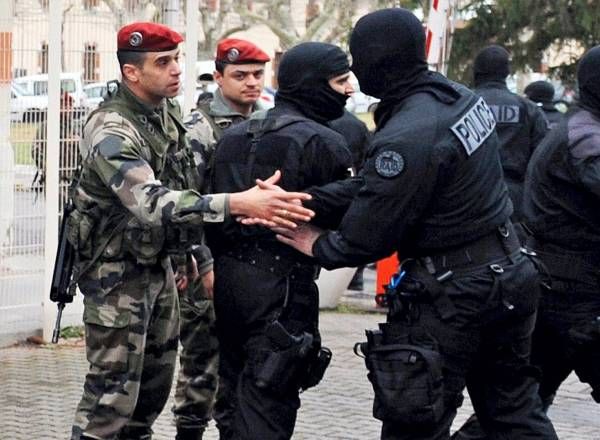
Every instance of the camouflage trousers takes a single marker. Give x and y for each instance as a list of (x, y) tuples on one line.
[(131, 318), (198, 376)]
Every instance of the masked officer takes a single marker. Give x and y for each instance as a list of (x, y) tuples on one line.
[(519, 123), (240, 75), (560, 209), (542, 93), (131, 199), (266, 300), (434, 181)]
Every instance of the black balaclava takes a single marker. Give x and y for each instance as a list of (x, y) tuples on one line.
[(303, 78), (541, 92), (492, 63), (588, 78), (387, 43), (388, 59)]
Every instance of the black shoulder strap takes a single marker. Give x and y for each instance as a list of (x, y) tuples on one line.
[(257, 128)]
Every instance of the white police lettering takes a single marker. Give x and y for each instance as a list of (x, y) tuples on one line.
[(506, 114), (389, 164), (475, 126)]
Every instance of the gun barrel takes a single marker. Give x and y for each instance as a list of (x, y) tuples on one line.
[(56, 332)]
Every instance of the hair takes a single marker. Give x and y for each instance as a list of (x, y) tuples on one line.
[(130, 57), (220, 66)]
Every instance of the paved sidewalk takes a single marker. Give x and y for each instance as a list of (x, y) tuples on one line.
[(40, 387)]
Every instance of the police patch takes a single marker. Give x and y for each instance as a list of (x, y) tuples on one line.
[(135, 39), (475, 126), (233, 54), (506, 114), (389, 164)]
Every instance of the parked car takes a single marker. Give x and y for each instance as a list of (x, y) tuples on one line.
[(70, 82), (25, 106)]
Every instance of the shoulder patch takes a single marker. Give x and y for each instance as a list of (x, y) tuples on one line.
[(389, 163), (475, 126), (506, 114)]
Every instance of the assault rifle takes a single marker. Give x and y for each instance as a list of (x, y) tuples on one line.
[(62, 289)]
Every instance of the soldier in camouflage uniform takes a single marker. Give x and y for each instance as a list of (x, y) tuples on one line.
[(240, 75), (134, 212)]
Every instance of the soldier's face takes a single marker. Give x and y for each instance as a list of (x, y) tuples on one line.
[(158, 77), (341, 84), (241, 83)]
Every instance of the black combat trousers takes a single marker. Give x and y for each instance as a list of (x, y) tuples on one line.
[(485, 347), (567, 336), (247, 299), (566, 339)]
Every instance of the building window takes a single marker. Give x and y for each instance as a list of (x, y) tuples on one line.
[(43, 58), (91, 63), (90, 4)]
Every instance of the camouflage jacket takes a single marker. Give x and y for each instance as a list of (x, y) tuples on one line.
[(125, 144), (206, 123)]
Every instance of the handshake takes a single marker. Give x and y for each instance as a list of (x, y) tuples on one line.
[(278, 210)]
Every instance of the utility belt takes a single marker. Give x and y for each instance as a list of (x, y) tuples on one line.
[(501, 243), (109, 238), (272, 260), (569, 265)]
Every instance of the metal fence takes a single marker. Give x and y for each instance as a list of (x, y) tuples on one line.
[(51, 51)]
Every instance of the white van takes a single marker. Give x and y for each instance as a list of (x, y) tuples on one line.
[(70, 82), (24, 106)]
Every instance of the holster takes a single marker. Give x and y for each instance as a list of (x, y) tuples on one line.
[(419, 285), (317, 365), (289, 362), (405, 369)]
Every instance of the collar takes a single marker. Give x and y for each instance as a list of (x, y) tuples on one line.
[(137, 104), (219, 107), (492, 84)]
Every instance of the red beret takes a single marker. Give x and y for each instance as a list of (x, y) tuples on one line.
[(234, 51), (147, 37)]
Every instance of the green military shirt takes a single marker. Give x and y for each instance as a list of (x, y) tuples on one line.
[(206, 123)]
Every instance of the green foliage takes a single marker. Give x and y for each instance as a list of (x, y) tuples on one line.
[(72, 332), (526, 28)]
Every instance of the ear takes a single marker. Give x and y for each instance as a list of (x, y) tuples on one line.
[(218, 77), (131, 73)]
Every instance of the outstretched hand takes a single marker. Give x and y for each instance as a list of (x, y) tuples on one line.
[(269, 205), (301, 238)]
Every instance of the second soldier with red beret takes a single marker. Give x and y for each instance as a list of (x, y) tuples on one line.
[(240, 67)]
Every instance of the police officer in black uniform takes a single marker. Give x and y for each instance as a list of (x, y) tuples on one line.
[(542, 93), (562, 193), (434, 181), (266, 300), (519, 122), (560, 208)]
